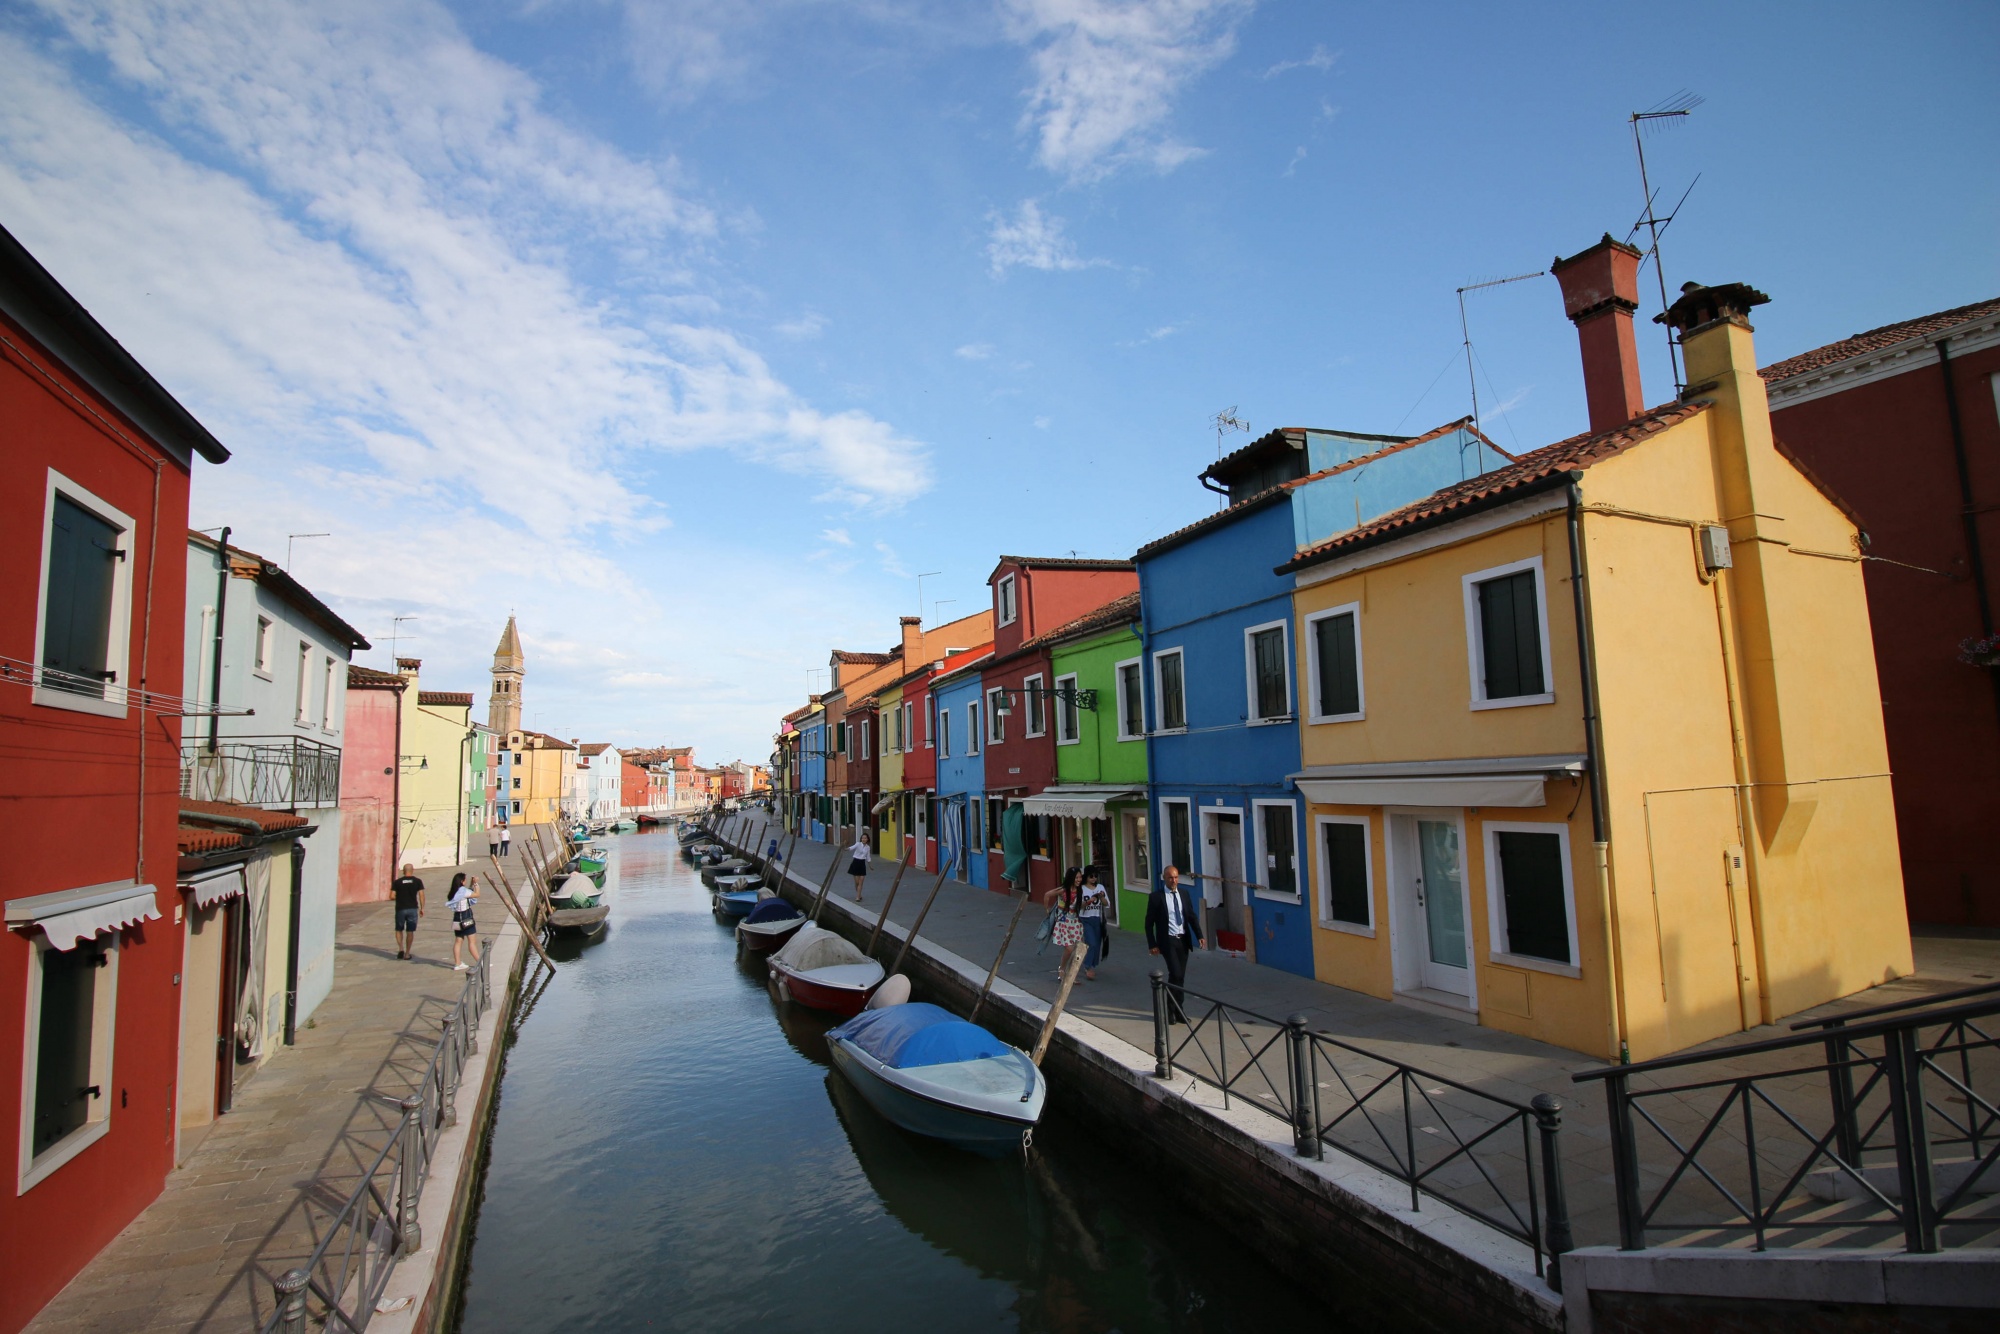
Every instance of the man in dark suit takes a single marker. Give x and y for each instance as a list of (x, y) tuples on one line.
[(1172, 929)]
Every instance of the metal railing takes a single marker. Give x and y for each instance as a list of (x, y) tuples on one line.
[(262, 771), (377, 1225), (1877, 1130), (1493, 1159)]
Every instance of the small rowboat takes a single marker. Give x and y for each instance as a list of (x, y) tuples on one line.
[(769, 925), (576, 891), (579, 921), (934, 1074), (822, 970), (734, 902), (743, 880), (727, 866), (592, 860)]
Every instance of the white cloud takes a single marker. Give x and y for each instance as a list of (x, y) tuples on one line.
[(892, 564), (837, 536), (1041, 423), (1031, 239), (1106, 73), (975, 351), (1321, 59), (809, 325), (1298, 156)]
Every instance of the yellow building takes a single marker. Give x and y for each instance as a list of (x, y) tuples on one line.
[(541, 773), (890, 732), (1682, 831), (435, 793)]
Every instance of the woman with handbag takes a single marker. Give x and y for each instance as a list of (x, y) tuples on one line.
[(1068, 930)]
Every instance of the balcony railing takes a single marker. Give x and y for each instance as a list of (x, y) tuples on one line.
[(278, 771)]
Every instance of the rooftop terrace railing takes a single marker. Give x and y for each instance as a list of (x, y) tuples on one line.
[(274, 771), (1878, 1130)]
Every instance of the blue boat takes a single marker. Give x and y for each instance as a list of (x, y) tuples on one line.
[(934, 1074), (736, 902)]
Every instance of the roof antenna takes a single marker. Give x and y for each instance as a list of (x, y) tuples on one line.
[(1224, 422), (1666, 112), (1465, 332)]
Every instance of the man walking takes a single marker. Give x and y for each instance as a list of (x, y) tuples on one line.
[(506, 838), (409, 892), (1172, 929)]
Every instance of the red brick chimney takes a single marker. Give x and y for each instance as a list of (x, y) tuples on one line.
[(913, 641), (1600, 291)]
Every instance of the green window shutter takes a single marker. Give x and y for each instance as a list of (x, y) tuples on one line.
[(1531, 879), (76, 613), (1510, 636), (1280, 871), (1339, 667), (1268, 650), (1346, 872), (1173, 701)]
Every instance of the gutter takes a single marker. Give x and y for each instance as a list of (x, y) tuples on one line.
[(1968, 515), (292, 944), (1593, 746), (221, 600), (1553, 481)]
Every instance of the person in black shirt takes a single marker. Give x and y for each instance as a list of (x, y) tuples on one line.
[(409, 893)]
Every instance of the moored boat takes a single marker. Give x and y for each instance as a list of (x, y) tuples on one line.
[(934, 1074), (727, 866), (625, 826), (734, 902), (770, 924), (818, 968), (579, 921), (592, 860)]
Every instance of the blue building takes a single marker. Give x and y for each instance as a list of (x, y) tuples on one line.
[(1219, 668), (818, 806), (961, 768)]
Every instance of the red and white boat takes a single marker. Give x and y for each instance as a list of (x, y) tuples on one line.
[(820, 969)]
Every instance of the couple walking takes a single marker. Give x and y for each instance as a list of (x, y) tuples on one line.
[(1079, 919), (408, 889)]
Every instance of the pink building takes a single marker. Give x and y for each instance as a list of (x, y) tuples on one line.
[(369, 784)]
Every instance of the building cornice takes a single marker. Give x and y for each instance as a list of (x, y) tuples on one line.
[(1917, 353)]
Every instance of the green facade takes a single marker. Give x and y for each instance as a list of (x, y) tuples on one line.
[(1098, 756)]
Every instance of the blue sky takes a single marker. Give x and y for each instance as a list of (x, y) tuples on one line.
[(691, 332)]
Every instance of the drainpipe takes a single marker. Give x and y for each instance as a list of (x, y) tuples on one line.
[(1600, 825), (1968, 516), (292, 943), (215, 669)]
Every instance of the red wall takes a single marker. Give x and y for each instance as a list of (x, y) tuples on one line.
[(73, 780), (1033, 757), (1051, 597), (1885, 448), (368, 793), (634, 785)]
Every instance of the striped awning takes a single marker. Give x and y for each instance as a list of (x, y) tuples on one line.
[(71, 916), (1076, 802)]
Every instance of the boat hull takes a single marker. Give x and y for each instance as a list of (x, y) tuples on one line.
[(967, 1128), (579, 921), (763, 937), (736, 903), (846, 1001)]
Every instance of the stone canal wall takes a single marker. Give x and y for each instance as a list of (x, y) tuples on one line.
[(1336, 1226)]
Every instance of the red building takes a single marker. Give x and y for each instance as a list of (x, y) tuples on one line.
[(1903, 424), (95, 464), (1032, 596), (369, 777)]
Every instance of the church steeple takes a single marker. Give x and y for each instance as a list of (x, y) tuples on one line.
[(503, 710)]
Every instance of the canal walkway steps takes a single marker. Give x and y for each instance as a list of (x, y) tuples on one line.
[(970, 922), (251, 1199)]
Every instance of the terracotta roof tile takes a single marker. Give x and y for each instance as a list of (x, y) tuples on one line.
[(195, 838), (1579, 451), (848, 655), (269, 821), (367, 678), (1118, 611), (1064, 563), (597, 748), (1875, 340), (445, 698)]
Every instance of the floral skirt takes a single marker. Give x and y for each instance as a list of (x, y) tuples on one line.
[(1068, 931)]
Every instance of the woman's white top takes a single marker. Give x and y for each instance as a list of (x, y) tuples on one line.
[(460, 898), (859, 852), (1095, 897)]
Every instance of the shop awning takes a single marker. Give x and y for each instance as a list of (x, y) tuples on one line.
[(72, 916), (1076, 802), (226, 883), (1513, 780), (888, 799)]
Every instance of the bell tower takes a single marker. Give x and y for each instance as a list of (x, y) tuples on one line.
[(503, 710)]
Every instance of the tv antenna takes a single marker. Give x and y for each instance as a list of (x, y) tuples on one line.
[(1465, 331), (1660, 115), (927, 574), (396, 632), (1224, 422), (293, 537)]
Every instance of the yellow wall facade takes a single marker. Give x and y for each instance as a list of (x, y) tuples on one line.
[(888, 772)]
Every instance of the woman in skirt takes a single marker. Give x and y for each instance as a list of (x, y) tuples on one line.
[(1068, 930), (463, 930), (857, 860)]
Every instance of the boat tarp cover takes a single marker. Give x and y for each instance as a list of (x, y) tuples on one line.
[(773, 910), (576, 890), (903, 1037), (816, 947)]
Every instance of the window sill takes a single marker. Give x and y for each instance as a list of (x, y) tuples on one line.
[(1318, 719), (1169, 731), (1346, 928), (1535, 965), (260, 674), (1286, 721), (75, 703), (56, 1156), (1513, 702), (1073, 741), (1267, 896)]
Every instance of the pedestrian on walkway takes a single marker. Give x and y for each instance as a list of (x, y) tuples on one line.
[(409, 892), (464, 931), (1068, 929), (857, 859), (506, 838), (493, 839), (1172, 930), (1095, 900)]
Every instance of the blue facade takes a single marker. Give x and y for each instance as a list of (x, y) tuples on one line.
[(1201, 599), (961, 777), (812, 774), (501, 761)]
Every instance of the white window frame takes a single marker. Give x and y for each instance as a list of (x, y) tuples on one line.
[(1159, 695), (1006, 603), (1311, 683), (1069, 711), (944, 734), (930, 722), (909, 726), (1323, 877), (118, 638), (866, 728), (326, 703), (996, 721), (1034, 700), (973, 736), (1265, 892), (1475, 640), (33, 1169), (1250, 718), (1118, 691), (1164, 832), (1496, 897), (1131, 823), (267, 631), (305, 690)]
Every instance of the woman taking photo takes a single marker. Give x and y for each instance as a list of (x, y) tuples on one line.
[(464, 932)]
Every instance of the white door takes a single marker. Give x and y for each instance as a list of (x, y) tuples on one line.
[(1222, 869), (1431, 877)]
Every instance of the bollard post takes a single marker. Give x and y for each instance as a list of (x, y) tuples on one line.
[(1548, 1119), (448, 1075), (1305, 1131), (469, 1016), (409, 1234), (1163, 1064), (291, 1287)]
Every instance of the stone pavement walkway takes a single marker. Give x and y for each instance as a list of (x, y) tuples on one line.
[(245, 1203), (970, 922)]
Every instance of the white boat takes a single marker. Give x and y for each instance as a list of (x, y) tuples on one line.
[(823, 970), (934, 1074)]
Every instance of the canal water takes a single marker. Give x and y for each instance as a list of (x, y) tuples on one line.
[(672, 1152)]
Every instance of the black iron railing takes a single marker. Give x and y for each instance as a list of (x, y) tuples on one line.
[(1490, 1158), (262, 771), (1878, 1129)]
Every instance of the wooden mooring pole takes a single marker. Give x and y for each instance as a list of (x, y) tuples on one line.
[(507, 897), (1019, 907), (1075, 966), (874, 935), (922, 913)]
